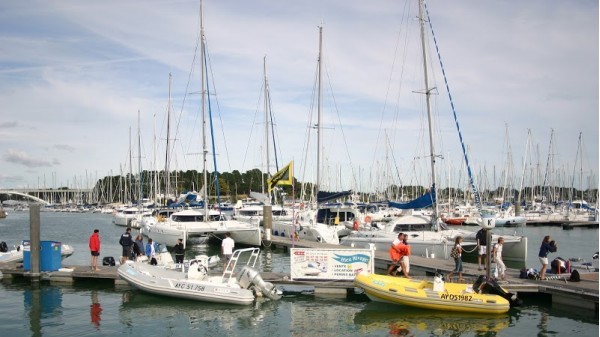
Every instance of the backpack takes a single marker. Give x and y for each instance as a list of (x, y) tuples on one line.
[(3, 247), (575, 277), (454, 253)]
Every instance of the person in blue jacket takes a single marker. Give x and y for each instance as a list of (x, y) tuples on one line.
[(548, 246), (151, 248)]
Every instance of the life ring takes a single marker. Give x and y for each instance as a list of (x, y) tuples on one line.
[(367, 218)]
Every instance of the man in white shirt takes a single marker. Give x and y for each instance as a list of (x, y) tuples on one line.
[(227, 249)]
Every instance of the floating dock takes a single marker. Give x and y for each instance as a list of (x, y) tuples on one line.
[(583, 294)]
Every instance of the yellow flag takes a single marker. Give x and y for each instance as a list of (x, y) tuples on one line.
[(285, 176)]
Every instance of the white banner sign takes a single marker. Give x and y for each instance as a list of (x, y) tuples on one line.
[(329, 264)]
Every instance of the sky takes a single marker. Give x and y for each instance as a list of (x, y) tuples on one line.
[(84, 90)]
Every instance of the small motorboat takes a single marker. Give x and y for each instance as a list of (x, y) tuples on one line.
[(583, 265), (241, 287), (15, 255), (484, 296)]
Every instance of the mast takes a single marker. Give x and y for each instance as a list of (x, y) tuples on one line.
[(319, 107), (266, 122), (434, 218), (518, 203), (139, 164), (203, 94), (168, 148)]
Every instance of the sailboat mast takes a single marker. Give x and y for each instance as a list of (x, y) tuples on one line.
[(319, 107), (428, 102), (204, 148), (140, 194), (168, 148), (266, 120)]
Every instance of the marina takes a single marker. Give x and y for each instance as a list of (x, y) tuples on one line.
[(582, 294), (386, 200), (120, 302)]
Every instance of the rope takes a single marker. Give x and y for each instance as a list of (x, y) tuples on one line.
[(470, 251)]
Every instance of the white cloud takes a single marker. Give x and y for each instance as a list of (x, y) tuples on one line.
[(73, 77)]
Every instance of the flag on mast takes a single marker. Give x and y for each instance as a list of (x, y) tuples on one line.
[(285, 176)]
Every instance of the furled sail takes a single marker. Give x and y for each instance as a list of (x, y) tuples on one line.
[(423, 201), (323, 196)]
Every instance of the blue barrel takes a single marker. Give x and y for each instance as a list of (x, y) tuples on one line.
[(50, 255), (26, 256)]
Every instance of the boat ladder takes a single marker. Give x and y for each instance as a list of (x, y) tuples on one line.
[(230, 268)]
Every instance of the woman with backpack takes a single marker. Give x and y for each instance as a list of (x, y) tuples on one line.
[(456, 254)]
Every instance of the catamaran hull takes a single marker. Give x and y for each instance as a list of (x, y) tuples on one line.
[(170, 235), (436, 245)]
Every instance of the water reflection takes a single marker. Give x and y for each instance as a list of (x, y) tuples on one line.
[(42, 304), (95, 310), (229, 318), (406, 321)]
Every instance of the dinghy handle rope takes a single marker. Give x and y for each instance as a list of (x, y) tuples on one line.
[(471, 179)]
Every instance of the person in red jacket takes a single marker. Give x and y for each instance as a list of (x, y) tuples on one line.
[(95, 248)]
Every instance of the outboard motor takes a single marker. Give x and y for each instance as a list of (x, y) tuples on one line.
[(3, 247), (108, 261), (248, 276), (490, 286)]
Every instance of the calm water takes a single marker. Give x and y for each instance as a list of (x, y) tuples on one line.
[(99, 308)]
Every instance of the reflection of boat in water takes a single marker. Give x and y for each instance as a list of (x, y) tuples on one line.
[(220, 316), (387, 317)]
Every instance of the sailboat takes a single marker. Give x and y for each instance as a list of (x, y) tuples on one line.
[(196, 225), (252, 211), (428, 235), (484, 296), (320, 222)]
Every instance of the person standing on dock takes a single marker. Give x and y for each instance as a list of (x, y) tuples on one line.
[(397, 253), (497, 257), (95, 249), (179, 251), (404, 261), (481, 237), (227, 249), (546, 247), (456, 254), (126, 242)]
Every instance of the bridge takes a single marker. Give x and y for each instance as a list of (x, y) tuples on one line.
[(48, 196)]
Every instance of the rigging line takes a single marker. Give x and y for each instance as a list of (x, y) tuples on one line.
[(187, 86), (252, 128), (272, 130), (212, 134), (307, 134), (342, 130), (218, 107), (466, 157), (391, 75)]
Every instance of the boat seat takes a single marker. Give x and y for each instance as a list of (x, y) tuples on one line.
[(197, 270)]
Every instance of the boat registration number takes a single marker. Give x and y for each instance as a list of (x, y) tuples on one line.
[(452, 297), (189, 286)]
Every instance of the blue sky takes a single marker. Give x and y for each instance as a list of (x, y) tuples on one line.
[(73, 76)]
